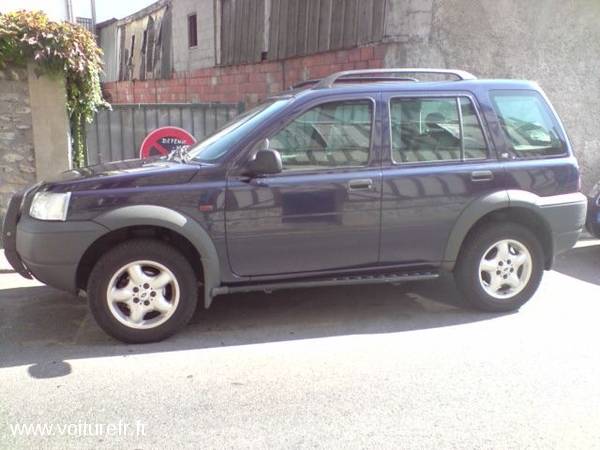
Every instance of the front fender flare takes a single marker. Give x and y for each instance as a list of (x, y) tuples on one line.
[(159, 216)]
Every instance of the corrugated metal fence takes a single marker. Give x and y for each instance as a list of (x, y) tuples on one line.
[(118, 134)]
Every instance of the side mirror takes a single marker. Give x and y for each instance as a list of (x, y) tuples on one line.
[(266, 162)]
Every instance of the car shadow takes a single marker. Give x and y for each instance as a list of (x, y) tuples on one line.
[(44, 328), (582, 262)]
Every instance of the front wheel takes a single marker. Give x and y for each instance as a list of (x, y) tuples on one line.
[(142, 291), (500, 267)]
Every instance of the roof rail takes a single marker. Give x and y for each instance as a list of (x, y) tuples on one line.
[(329, 81), (354, 80)]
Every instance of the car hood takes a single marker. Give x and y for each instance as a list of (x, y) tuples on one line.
[(123, 174)]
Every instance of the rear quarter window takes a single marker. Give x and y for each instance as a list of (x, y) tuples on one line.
[(529, 127)]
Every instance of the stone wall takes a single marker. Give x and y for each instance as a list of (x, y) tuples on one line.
[(17, 159), (35, 143)]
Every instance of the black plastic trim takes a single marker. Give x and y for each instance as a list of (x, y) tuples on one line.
[(338, 281), (9, 234)]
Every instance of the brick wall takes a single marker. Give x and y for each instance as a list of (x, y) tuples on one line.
[(17, 161), (249, 83)]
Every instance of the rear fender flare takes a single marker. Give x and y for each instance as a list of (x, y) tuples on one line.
[(481, 207), (469, 217)]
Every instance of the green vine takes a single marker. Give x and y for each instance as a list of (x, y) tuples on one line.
[(58, 48)]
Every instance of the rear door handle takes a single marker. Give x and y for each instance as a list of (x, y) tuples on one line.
[(482, 175), (363, 184)]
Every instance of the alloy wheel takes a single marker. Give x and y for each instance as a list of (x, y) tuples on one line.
[(143, 294), (505, 269)]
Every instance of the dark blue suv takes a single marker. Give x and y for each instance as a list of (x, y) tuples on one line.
[(363, 177)]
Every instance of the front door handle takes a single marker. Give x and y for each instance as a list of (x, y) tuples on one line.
[(363, 184), (482, 175)]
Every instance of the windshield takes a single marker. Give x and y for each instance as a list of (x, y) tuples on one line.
[(219, 143)]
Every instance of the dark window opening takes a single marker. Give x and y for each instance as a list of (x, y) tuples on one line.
[(192, 30), (144, 41)]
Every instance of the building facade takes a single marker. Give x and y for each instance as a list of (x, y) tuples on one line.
[(232, 50)]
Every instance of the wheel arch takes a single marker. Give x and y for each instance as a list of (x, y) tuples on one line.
[(515, 206), (144, 220)]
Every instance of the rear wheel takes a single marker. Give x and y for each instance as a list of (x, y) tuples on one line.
[(142, 291), (500, 267)]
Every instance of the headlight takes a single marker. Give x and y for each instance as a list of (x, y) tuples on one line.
[(50, 206)]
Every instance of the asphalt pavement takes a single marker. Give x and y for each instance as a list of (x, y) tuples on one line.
[(351, 367)]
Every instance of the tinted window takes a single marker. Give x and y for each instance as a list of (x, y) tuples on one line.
[(429, 129), (329, 135), (527, 124)]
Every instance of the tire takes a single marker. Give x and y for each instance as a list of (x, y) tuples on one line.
[(153, 291), (491, 285)]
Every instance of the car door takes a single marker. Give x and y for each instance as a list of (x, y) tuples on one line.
[(322, 212), (437, 160)]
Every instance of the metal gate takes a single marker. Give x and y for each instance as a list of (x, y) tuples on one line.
[(118, 134)]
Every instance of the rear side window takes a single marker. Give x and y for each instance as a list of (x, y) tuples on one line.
[(527, 123), (435, 129)]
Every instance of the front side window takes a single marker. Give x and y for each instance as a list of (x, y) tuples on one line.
[(435, 129), (527, 124), (335, 134)]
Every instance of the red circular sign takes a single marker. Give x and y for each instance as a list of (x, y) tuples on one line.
[(163, 141)]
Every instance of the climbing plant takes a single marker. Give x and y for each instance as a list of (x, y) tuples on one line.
[(58, 48)]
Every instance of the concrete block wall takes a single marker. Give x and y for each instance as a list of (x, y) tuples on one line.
[(17, 159), (203, 55), (249, 83), (553, 42)]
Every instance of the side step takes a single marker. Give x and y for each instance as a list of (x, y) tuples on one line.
[(335, 281)]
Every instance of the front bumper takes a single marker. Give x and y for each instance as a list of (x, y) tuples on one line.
[(52, 250)]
